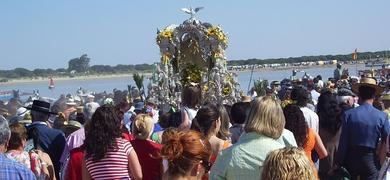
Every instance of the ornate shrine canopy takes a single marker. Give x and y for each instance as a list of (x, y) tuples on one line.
[(192, 53)]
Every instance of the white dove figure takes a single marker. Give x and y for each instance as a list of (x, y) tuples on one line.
[(191, 11)]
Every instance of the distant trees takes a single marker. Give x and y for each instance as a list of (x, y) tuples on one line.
[(347, 57), (80, 65)]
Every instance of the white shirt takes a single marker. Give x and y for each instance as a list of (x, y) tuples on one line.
[(191, 113), (320, 83), (311, 118), (314, 96)]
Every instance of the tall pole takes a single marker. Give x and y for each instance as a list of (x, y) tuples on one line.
[(250, 79)]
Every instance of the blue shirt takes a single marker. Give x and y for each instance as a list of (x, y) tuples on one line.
[(363, 126), (10, 169)]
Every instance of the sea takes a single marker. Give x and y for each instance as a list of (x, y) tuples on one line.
[(121, 83)]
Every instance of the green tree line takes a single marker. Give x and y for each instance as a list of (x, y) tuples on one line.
[(80, 65), (347, 57), (76, 66)]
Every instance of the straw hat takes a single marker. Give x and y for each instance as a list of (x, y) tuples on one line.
[(370, 82), (386, 97), (246, 99)]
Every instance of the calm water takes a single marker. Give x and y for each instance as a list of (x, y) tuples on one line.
[(108, 84)]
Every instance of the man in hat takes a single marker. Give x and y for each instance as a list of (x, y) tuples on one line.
[(10, 169), (90, 106), (364, 131), (70, 107), (51, 141), (337, 72), (275, 86)]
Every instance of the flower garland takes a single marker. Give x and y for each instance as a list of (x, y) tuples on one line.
[(164, 34), (217, 33)]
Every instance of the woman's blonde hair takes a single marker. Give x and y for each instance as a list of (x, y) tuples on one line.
[(287, 163), (142, 126), (266, 117)]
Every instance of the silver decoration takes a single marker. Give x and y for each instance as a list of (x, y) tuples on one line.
[(204, 50)]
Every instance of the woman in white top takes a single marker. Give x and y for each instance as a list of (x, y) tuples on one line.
[(191, 99)]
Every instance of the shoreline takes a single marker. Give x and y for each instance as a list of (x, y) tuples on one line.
[(148, 74), (76, 78)]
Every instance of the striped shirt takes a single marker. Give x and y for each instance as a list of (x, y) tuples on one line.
[(115, 165)]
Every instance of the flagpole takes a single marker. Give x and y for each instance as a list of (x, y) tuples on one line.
[(250, 79), (354, 57)]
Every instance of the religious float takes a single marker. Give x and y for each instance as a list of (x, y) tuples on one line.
[(192, 53)]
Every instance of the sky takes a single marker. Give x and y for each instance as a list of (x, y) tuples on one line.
[(47, 33)]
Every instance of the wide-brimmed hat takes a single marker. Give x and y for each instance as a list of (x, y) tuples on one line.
[(246, 99), (40, 106), (22, 116), (70, 102), (370, 82)]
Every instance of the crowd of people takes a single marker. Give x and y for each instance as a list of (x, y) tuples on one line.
[(299, 130)]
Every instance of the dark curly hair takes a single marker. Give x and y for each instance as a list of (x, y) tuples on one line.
[(329, 112), (101, 134), (300, 95), (295, 122)]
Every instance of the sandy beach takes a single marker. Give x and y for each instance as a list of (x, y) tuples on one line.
[(77, 78), (129, 75)]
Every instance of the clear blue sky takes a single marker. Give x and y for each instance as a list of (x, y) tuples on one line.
[(47, 33)]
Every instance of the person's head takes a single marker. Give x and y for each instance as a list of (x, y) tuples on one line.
[(295, 122), (319, 77), (167, 134), (101, 134), (40, 110), (187, 154), (367, 89), (143, 126), (207, 120), (345, 97), (39, 116), (18, 136), (240, 112), (287, 163), (366, 93), (265, 117), (329, 111), (5, 133), (275, 85), (90, 98), (300, 95), (223, 132), (192, 96)]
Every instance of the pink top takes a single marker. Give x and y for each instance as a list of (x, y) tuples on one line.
[(114, 165), (74, 140)]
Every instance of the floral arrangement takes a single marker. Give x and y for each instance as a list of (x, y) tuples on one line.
[(217, 33), (167, 33), (191, 74), (193, 53)]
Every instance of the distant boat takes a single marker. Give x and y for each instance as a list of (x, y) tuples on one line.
[(51, 83)]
